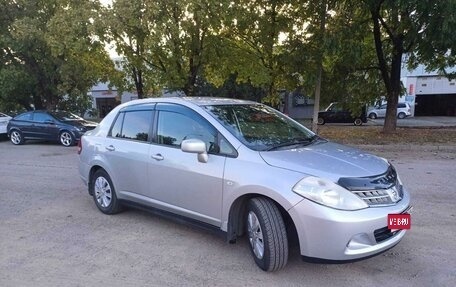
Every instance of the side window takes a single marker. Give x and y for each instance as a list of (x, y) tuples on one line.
[(382, 107), (42, 117), (401, 106), (24, 117), (134, 125), (174, 127), (116, 130)]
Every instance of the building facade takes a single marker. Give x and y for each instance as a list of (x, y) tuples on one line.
[(428, 93)]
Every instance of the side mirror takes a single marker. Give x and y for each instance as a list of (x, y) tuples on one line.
[(195, 146), (49, 122)]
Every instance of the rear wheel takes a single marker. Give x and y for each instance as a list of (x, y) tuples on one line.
[(358, 122), (66, 138), (16, 137), (372, 116), (103, 192), (321, 121), (267, 234), (401, 115)]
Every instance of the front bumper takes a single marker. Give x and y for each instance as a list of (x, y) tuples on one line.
[(338, 235)]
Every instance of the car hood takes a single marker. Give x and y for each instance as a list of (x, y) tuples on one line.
[(327, 160)]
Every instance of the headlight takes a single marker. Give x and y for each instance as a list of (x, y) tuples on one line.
[(328, 193)]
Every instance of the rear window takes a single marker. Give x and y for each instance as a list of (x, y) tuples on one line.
[(401, 105)]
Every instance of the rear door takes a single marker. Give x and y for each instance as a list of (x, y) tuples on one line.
[(126, 149), (381, 111), (178, 182)]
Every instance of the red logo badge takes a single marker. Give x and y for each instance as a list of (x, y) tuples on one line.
[(399, 221)]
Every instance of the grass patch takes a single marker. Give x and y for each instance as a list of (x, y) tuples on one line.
[(374, 136)]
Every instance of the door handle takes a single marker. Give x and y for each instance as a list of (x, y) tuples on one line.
[(157, 157), (110, 148)]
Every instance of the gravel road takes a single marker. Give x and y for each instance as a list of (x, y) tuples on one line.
[(51, 234)]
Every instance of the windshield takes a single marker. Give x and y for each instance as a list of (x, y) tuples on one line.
[(65, 116), (259, 127)]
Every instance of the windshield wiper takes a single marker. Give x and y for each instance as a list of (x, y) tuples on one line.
[(294, 142)]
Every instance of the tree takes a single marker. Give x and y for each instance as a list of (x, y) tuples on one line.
[(164, 44), (128, 28), (48, 52), (254, 44), (423, 30), (184, 41)]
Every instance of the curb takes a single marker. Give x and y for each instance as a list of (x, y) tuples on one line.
[(429, 148)]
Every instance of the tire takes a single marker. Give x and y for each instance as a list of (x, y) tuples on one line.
[(401, 115), (103, 192), (66, 138), (358, 122), (372, 116), (16, 137), (321, 121), (266, 234)]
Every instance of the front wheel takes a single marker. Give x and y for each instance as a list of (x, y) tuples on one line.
[(16, 137), (103, 192), (358, 122), (372, 116), (267, 234), (66, 138)]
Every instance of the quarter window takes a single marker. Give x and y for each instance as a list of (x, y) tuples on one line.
[(116, 130)]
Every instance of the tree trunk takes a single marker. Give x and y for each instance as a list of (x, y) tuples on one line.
[(393, 96), (189, 88), (317, 99), (319, 68), (139, 85), (391, 75), (37, 102)]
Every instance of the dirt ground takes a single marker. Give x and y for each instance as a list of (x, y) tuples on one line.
[(51, 234)]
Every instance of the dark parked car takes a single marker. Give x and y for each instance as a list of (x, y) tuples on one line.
[(337, 113), (61, 126)]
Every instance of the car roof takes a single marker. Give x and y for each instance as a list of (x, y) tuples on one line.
[(199, 101)]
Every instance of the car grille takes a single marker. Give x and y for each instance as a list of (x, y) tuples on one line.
[(383, 234), (380, 190), (374, 197)]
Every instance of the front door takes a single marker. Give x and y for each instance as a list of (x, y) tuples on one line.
[(44, 126), (177, 180)]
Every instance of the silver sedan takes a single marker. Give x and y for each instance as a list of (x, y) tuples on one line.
[(242, 168)]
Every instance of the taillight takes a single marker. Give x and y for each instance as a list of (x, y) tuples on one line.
[(80, 145)]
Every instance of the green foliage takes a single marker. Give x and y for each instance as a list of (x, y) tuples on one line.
[(423, 30), (53, 51), (49, 53)]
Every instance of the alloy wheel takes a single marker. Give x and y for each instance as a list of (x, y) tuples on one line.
[(255, 235), (16, 137), (103, 192), (66, 139)]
